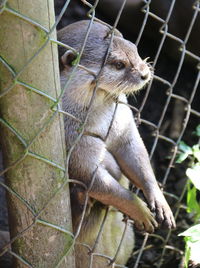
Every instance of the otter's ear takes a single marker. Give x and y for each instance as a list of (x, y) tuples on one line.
[(67, 58)]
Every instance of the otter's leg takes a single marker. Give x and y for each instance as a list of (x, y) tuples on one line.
[(108, 191), (133, 159), (90, 155)]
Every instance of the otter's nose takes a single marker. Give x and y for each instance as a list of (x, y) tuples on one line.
[(145, 76), (144, 71)]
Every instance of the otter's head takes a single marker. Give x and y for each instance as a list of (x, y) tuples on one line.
[(124, 70)]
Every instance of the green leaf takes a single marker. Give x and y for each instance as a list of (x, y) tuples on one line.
[(192, 204), (193, 232), (187, 255), (197, 132), (196, 152), (194, 251), (181, 157), (185, 148), (194, 175)]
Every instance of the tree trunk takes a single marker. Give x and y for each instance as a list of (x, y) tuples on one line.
[(32, 137)]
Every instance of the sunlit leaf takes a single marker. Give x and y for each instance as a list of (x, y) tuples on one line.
[(196, 151), (192, 204), (194, 252), (193, 232), (194, 175), (185, 148), (181, 157)]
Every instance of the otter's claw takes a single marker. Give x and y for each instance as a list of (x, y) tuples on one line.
[(159, 205)]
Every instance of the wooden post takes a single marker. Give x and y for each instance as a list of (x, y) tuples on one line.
[(32, 137)]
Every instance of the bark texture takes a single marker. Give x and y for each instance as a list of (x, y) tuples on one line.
[(26, 114)]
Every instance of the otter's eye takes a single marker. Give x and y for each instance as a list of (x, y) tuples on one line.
[(119, 65)]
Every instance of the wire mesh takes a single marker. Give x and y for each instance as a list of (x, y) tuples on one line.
[(172, 95)]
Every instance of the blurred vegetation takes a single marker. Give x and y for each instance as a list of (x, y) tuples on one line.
[(192, 235)]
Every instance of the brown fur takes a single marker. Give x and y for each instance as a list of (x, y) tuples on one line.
[(122, 152)]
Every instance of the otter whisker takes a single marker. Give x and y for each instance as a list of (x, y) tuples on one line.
[(146, 59)]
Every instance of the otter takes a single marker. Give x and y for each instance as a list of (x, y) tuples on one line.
[(110, 152)]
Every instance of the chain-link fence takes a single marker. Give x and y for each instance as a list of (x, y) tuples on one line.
[(167, 111)]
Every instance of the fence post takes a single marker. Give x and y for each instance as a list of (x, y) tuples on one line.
[(32, 136)]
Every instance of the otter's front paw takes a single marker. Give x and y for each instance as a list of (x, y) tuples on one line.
[(143, 217), (159, 205)]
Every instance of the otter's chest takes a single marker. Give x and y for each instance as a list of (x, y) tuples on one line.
[(110, 123)]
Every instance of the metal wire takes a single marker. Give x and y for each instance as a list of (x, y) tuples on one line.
[(171, 95)]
